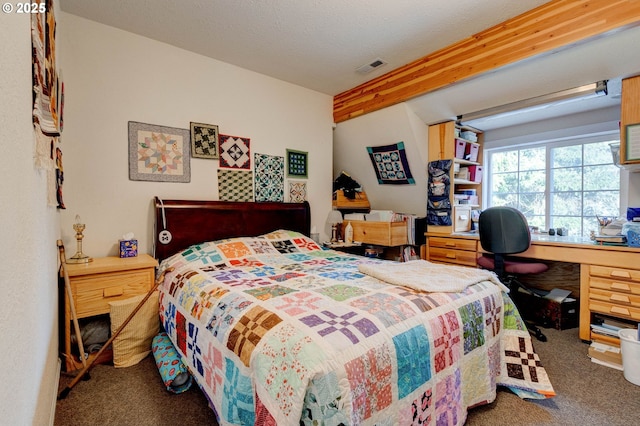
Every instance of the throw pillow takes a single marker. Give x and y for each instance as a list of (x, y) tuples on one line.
[(133, 343)]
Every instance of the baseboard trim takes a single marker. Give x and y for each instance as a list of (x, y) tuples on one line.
[(55, 395)]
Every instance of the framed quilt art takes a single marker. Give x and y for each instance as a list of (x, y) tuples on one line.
[(269, 178), (390, 164), (158, 153), (204, 140), (297, 164), (235, 152)]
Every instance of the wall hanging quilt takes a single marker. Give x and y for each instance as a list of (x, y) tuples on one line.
[(297, 163), (158, 153), (204, 140), (234, 152), (235, 185), (269, 177), (297, 191), (46, 98), (390, 164)]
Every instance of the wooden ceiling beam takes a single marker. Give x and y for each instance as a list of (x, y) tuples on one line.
[(545, 29)]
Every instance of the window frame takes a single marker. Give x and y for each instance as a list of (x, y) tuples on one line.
[(607, 136)]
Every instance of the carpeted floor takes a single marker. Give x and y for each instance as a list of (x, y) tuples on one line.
[(587, 394)]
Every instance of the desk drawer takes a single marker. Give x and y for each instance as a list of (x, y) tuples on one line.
[(613, 309), (618, 286), (452, 243), (459, 257), (615, 273), (93, 293), (623, 299)]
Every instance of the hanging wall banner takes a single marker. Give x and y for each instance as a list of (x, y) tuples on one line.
[(390, 164)]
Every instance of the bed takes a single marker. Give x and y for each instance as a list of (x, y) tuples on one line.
[(277, 330)]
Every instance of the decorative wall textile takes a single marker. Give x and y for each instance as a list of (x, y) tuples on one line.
[(158, 153), (438, 202), (204, 140), (44, 74), (47, 99), (390, 164), (269, 177), (235, 185), (234, 152), (59, 174), (297, 163), (297, 191)]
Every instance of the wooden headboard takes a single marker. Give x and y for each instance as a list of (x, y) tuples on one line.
[(196, 221)]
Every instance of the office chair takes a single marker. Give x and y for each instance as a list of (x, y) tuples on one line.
[(504, 231)]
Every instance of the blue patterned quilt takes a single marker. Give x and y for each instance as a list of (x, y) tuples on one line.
[(278, 331)]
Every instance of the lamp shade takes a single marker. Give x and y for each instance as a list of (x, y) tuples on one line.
[(334, 217)]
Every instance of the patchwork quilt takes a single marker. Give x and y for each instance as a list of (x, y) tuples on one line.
[(279, 331)]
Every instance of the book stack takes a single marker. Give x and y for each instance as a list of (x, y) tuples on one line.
[(611, 239), (605, 343)]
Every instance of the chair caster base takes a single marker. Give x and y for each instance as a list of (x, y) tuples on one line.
[(535, 332)]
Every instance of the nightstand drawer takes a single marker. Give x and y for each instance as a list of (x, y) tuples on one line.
[(459, 257), (92, 294)]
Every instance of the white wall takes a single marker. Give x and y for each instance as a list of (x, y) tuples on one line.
[(28, 289), (384, 127), (112, 77)]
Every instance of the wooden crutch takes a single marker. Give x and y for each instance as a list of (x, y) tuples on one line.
[(72, 305), (87, 367)]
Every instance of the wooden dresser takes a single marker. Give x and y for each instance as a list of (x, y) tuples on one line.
[(104, 280), (452, 249)]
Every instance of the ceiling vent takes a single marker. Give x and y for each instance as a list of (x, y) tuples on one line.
[(367, 68)]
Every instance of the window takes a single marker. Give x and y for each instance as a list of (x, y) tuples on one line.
[(561, 184)]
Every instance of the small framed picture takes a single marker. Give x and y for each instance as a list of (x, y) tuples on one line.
[(204, 140), (297, 164), (158, 153)]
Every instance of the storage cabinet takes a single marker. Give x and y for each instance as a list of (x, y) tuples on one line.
[(104, 280), (610, 291), (462, 146), (457, 251), (389, 234)]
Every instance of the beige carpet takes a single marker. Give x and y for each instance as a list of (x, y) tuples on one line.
[(588, 394)]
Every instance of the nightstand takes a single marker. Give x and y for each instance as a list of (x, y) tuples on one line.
[(104, 280)]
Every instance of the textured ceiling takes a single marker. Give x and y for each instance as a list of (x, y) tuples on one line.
[(317, 44)]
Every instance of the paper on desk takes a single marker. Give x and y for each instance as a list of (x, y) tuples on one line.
[(558, 295)]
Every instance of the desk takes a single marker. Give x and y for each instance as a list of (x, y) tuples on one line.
[(609, 275)]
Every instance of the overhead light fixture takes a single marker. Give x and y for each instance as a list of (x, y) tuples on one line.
[(583, 92)]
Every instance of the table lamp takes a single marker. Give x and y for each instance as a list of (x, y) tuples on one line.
[(79, 257), (333, 219)]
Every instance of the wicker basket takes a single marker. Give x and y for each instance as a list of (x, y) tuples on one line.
[(633, 238)]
